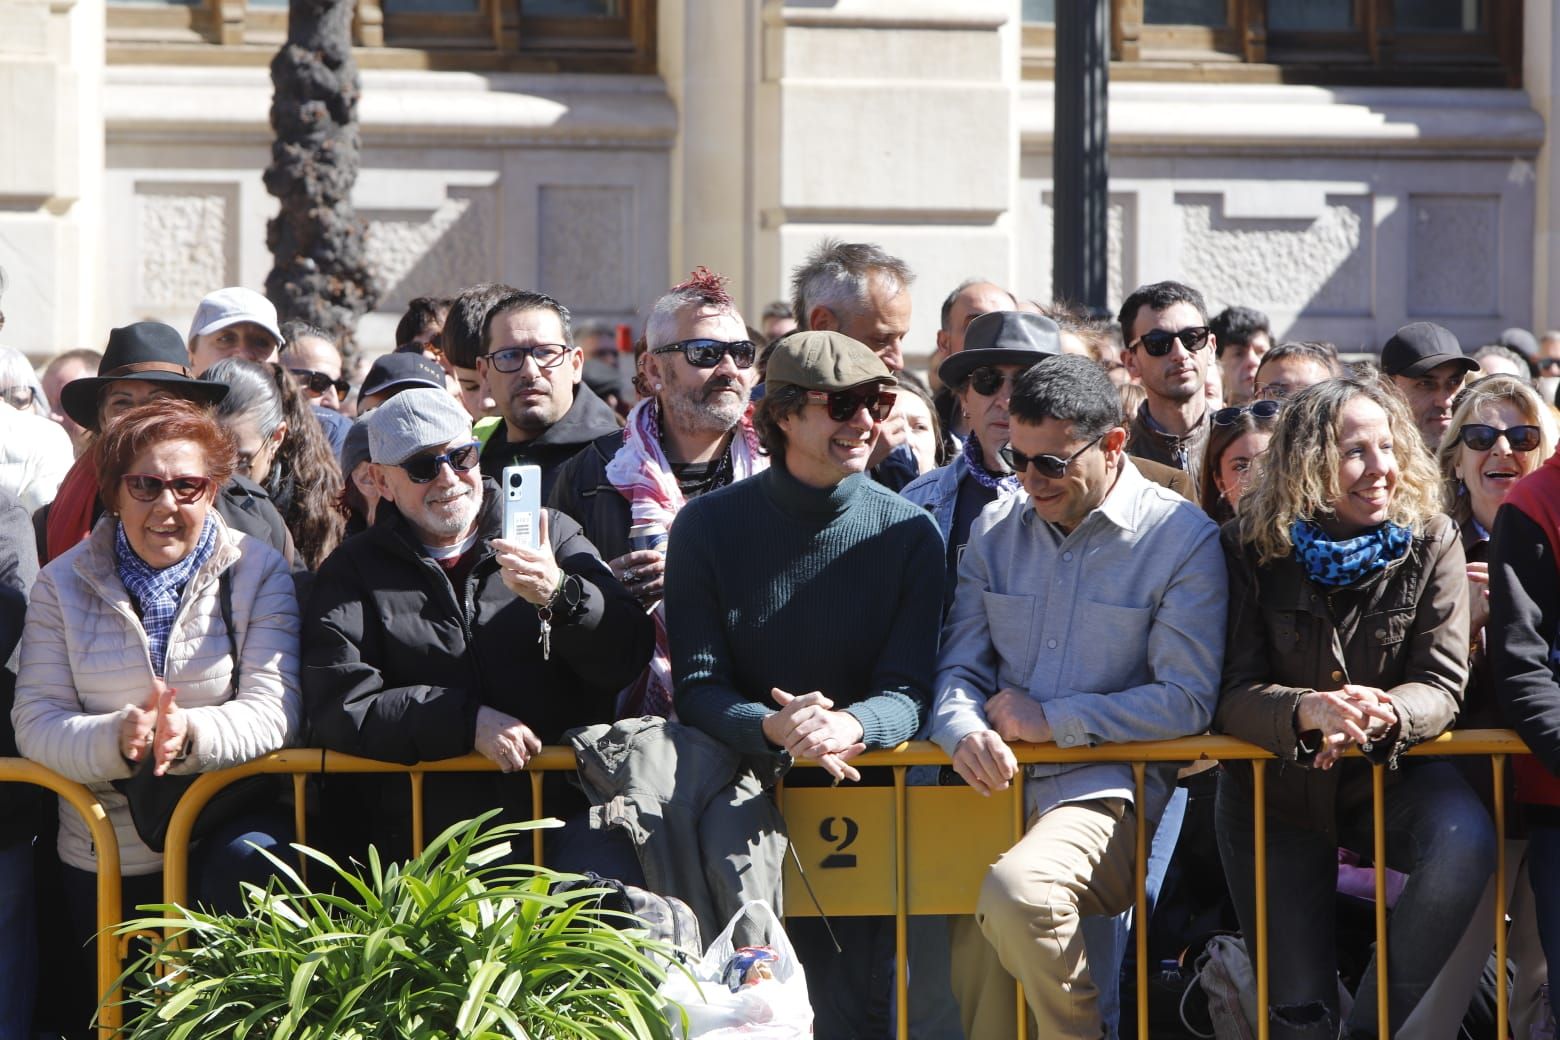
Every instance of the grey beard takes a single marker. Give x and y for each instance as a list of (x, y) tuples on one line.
[(695, 416)]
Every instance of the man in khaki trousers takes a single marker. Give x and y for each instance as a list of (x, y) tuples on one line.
[(1089, 610)]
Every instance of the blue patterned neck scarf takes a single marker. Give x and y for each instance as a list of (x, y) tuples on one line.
[(156, 592), (975, 459), (1336, 564)]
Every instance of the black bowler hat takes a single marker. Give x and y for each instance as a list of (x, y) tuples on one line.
[(147, 350), (1416, 348), (1002, 338)]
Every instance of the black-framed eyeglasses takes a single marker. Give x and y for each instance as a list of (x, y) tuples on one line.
[(1157, 342), (987, 380), (706, 353), (1482, 437), (1262, 411), (1050, 466), (843, 404), (144, 487), (19, 396), (421, 469), (512, 359), (317, 383)]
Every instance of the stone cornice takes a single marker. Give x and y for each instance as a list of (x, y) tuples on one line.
[(1150, 119), (447, 109)]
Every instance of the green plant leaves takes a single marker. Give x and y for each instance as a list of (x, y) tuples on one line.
[(455, 943)]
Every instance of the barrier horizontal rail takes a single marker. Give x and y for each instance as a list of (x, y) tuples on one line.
[(300, 763)]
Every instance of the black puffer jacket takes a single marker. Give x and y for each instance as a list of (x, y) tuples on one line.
[(583, 492), (396, 662)]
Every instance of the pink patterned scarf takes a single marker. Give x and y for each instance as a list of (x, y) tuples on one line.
[(642, 474)]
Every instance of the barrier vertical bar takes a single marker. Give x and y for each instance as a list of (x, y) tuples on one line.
[(301, 821), (901, 907), (536, 814), (415, 778), (1502, 994), (1021, 1005), (1378, 799), (1140, 879), (1259, 832)]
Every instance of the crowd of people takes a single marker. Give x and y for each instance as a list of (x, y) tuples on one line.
[(765, 547)]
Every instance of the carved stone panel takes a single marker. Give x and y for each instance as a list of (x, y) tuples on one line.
[(585, 239), (1453, 255), (1317, 266), (432, 253), (185, 244)]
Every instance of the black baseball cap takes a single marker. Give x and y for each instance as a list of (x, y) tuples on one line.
[(1416, 348), (398, 372)]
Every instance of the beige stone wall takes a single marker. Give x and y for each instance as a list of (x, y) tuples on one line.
[(51, 62)]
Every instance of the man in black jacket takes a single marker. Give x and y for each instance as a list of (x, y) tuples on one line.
[(428, 637), (532, 370)]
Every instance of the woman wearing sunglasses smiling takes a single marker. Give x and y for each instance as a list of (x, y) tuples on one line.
[(166, 643)]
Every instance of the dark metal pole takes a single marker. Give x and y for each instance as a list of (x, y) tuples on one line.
[(1078, 157)]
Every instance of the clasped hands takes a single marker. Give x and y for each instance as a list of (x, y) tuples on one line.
[(808, 728), (983, 758), (158, 727), (1353, 715)]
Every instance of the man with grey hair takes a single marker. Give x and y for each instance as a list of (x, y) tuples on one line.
[(429, 636), (859, 289), (690, 436)]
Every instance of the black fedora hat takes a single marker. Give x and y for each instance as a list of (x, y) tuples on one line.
[(1002, 338), (147, 350)]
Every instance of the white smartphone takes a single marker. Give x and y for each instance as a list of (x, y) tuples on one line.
[(522, 490)]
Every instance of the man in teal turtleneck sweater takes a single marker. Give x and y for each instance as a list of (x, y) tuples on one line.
[(803, 606)]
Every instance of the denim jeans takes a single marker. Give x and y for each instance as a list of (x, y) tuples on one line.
[(1437, 832), (19, 951), (1544, 873), (218, 864)]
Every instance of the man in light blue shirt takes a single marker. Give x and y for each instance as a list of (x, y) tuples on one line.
[(1089, 610)]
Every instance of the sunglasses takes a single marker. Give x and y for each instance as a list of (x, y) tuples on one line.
[(512, 359), (843, 404), (423, 468), (1261, 410), (1050, 467), (1480, 437), (706, 353), (987, 381), (1549, 364), (1157, 342), (317, 383), (144, 487)]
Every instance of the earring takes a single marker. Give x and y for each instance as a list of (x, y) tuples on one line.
[(658, 388)]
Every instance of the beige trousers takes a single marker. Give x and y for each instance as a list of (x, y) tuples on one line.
[(1075, 860)]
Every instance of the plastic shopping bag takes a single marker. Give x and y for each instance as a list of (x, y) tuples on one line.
[(769, 1001)]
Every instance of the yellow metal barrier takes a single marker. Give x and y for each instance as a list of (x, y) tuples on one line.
[(109, 949), (884, 851)]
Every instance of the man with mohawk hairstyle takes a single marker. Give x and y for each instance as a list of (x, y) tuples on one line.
[(690, 435)]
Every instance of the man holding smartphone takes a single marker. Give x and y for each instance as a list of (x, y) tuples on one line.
[(430, 637)]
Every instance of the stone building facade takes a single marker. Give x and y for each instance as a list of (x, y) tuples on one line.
[(736, 133)]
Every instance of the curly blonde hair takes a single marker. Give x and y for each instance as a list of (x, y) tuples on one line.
[(1465, 409), (1297, 477)]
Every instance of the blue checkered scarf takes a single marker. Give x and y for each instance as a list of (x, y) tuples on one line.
[(156, 592)]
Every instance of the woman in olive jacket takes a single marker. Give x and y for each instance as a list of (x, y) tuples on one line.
[(1348, 627)]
